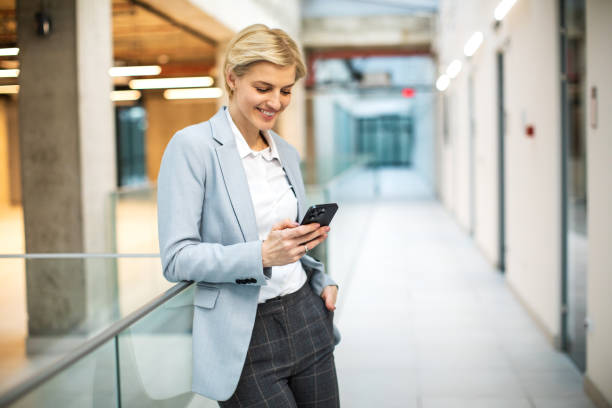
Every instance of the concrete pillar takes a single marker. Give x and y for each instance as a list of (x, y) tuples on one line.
[(66, 129)]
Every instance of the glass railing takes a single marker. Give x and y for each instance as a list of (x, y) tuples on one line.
[(51, 304), (88, 334), (133, 220), (120, 365), (353, 184)]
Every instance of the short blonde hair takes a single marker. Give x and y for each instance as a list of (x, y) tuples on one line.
[(257, 43)]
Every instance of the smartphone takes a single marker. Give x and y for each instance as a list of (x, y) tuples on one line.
[(320, 213)]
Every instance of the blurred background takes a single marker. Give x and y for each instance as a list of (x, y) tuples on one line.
[(466, 143)]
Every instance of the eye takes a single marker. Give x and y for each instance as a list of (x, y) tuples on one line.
[(286, 92), (261, 90)]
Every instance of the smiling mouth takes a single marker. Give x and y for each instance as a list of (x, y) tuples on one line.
[(267, 113)]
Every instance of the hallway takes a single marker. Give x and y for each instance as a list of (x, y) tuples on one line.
[(427, 322)]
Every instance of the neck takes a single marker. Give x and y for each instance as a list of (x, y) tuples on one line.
[(249, 132)]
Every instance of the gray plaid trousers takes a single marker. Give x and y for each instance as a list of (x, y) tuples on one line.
[(290, 361)]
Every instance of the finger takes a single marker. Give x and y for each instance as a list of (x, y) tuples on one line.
[(313, 235), (286, 223), (302, 230), (299, 251), (313, 244), (330, 300)]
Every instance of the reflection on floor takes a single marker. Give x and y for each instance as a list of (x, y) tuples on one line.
[(427, 322)]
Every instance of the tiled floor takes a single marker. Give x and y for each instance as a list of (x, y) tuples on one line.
[(428, 323)]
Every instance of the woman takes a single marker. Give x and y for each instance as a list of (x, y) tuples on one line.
[(230, 193)]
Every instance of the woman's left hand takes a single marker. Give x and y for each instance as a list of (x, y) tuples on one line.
[(329, 295)]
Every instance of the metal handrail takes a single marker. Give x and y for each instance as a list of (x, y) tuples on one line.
[(24, 387), (75, 255)]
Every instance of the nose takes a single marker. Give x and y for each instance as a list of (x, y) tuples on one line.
[(274, 101)]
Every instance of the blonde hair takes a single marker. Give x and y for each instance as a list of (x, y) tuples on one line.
[(257, 43)]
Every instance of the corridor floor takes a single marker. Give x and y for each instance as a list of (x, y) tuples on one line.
[(428, 323)]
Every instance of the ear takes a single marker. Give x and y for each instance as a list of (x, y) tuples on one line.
[(230, 79)]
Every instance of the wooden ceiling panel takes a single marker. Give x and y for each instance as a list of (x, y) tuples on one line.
[(141, 35)]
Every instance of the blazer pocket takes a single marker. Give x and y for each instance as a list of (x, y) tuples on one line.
[(205, 296)]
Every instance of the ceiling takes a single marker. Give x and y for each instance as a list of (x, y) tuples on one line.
[(144, 33), (352, 8)]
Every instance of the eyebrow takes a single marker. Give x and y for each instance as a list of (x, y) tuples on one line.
[(271, 85)]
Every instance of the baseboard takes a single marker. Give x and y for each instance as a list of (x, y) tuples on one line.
[(553, 339), (594, 394)]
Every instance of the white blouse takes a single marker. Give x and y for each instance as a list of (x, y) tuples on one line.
[(273, 201)]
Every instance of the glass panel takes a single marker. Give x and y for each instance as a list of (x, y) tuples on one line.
[(11, 224), (160, 343), (90, 382), (134, 217), (576, 200), (48, 307)]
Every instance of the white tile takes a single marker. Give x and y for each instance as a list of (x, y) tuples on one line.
[(373, 389), (565, 402), (552, 384), (525, 361), (475, 403), (469, 383)]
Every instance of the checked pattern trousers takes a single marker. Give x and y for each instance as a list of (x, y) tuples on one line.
[(290, 361)]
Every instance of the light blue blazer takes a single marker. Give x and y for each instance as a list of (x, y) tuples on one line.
[(208, 234)]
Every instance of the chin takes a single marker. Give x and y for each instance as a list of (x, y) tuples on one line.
[(264, 123)]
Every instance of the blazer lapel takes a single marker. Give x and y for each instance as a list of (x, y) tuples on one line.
[(291, 168), (234, 176)]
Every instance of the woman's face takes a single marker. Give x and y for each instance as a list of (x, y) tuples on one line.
[(260, 95)]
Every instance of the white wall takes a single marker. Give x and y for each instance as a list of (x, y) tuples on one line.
[(486, 159), (533, 182), (529, 38), (599, 153)]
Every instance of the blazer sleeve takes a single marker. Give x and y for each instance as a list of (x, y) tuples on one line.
[(180, 197)]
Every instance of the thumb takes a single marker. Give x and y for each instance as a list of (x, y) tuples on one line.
[(329, 303)]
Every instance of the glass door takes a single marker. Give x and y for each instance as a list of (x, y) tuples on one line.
[(574, 179)]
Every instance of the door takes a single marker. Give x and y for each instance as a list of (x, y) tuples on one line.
[(501, 131), (574, 179)]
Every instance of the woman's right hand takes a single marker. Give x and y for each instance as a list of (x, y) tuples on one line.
[(287, 240)]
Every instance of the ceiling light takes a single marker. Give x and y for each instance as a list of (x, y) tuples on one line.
[(443, 82), (135, 71), (9, 73), (159, 83), (502, 9), (194, 93), (472, 45), (453, 69), (9, 89), (4, 52), (126, 95)]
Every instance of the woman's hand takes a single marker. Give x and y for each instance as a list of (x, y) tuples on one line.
[(287, 241), (329, 295)]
